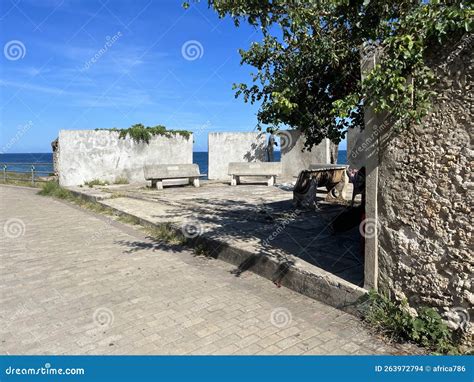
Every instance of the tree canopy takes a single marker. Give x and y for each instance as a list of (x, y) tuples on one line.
[(308, 62)]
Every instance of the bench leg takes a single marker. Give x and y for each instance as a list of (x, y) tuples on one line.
[(159, 184), (233, 180), (271, 181), (353, 197), (196, 182), (338, 190), (345, 186), (153, 183)]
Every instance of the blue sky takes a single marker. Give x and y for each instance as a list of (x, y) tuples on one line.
[(86, 64)]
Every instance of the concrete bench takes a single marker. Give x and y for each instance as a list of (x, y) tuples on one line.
[(159, 172), (332, 176), (270, 170)]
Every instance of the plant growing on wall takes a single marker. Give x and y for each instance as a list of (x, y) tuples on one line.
[(426, 329), (308, 61), (140, 133)]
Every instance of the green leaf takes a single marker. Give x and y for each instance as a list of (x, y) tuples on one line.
[(308, 70)]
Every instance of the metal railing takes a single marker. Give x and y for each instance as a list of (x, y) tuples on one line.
[(25, 168)]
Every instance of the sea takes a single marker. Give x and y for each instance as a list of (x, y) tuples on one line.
[(44, 161)]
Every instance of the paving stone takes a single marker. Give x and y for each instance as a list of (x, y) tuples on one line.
[(73, 282)]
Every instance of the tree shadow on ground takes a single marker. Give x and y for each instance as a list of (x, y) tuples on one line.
[(263, 229)]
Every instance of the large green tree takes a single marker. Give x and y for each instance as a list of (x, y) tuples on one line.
[(308, 61)]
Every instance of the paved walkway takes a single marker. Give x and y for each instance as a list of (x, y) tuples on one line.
[(257, 218), (73, 282)]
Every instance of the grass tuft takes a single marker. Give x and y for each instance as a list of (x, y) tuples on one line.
[(53, 189), (166, 233), (121, 180), (95, 182), (202, 249), (394, 320), (129, 219)]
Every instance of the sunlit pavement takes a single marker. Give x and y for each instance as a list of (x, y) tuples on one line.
[(73, 282)]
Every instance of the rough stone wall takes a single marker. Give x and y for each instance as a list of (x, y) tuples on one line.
[(425, 200), (55, 149), (234, 147), (85, 155)]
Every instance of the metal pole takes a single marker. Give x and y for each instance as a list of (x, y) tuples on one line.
[(33, 175), (4, 173)]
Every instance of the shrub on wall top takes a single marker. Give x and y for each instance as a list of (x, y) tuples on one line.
[(140, 133)]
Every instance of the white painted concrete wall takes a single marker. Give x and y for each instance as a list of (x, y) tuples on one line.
[(356, 147), (233, 147), (251, 147), (294, 159), (85, 155)]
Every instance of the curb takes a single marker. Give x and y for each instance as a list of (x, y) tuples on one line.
[(305, 279)]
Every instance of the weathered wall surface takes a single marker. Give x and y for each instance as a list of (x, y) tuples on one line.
[(425, 200), (54, 147), (234, 147), (355, 148), (294, 159), (251, 147), (85, 155)]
